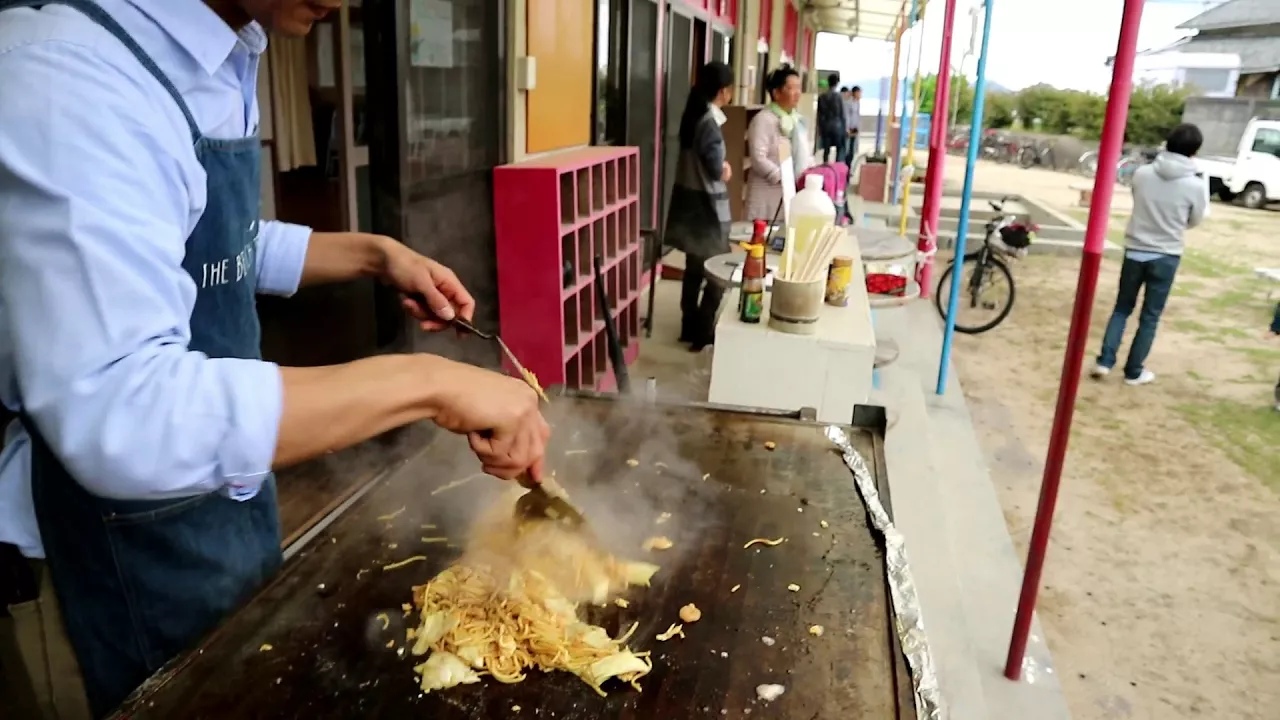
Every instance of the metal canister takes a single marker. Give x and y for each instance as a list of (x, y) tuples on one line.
[(839, 276)]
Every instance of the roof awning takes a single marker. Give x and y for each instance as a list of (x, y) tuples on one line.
[(874, 19)]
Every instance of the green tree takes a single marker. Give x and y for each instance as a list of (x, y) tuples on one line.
[(961, 92), (1153, 109), (998, 110)]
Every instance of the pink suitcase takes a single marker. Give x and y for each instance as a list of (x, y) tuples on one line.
[(835, 180)]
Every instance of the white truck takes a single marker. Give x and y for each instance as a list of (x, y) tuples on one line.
[(1241, 152)]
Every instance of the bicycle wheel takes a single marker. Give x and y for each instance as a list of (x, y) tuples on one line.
[(986, 298), (1124, 171), (1088, 164)]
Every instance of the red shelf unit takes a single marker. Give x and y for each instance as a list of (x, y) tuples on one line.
[(553, 216)]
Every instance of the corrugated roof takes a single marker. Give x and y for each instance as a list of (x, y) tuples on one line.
[(875, 19), (1256, 54), (1236, 13)]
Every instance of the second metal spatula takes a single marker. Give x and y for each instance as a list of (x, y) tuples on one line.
[(546, 500)]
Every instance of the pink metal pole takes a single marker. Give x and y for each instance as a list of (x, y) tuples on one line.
[(937, 157), (1086, 286)]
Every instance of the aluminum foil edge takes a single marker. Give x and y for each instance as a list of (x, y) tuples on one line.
[(909, 620)]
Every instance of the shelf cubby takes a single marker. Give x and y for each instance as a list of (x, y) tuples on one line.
[(554, 215)]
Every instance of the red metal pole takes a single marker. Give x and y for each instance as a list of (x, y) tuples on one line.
[(937, 156), (1099, 220)]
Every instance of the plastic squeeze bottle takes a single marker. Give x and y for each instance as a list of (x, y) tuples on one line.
[(751, 303), (811, 209)]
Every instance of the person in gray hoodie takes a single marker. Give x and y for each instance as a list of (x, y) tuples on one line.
[(1169, 196)]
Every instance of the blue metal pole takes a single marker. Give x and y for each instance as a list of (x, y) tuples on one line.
[(962, 231)]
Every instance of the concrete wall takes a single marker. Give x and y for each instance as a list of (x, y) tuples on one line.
[(1223, 120)]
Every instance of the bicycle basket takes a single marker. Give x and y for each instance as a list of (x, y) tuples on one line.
[(1017, 235)]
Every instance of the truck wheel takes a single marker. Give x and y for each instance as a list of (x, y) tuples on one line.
[(1254, 196)]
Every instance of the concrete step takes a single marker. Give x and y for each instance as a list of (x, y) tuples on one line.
[(964, 561), (920, 516)]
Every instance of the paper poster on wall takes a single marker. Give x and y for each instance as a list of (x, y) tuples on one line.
[(431, 33)]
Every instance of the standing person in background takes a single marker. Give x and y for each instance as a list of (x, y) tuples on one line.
[(852, 119), (698, 220), (778, 122), (831, 120), (1169, 196), (1275, 332)]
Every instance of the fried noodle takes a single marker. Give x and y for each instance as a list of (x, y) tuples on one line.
[(510, 605)]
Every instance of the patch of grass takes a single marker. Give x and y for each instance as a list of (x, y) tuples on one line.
[(1259, 355), (1220, 333), (1196, 376), (1203, 264), (1230, 300), (1186, 288), (1191, 327), (1245, 433)]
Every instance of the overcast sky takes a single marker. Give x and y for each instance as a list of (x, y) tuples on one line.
[(1064, 44)]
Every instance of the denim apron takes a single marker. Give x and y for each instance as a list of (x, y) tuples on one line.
[(141, 581)]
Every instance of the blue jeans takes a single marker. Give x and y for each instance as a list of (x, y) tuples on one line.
[(831, 140), (1156, 276)]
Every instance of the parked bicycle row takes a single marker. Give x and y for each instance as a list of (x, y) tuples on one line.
[(1003, 146)]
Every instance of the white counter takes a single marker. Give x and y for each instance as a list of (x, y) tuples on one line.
[(830, 370)]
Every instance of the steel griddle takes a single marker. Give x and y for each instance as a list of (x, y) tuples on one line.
[(321, 615)]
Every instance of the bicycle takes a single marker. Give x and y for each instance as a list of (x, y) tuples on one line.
[(1035, 152), (988, 271)]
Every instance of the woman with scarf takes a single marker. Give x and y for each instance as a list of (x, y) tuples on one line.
[(768, 128), (698, 219)]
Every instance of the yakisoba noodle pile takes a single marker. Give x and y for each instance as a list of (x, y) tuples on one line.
[(509, 605)]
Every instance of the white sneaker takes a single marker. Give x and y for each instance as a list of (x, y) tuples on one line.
[(1146, 378), (1098, 372)]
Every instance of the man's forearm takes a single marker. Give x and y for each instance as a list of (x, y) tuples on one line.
[(335, 257), (335, 407)]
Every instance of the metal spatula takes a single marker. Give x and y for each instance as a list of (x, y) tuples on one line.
[(545, 500)]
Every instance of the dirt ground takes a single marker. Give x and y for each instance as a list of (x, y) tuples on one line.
[(1162, 586)]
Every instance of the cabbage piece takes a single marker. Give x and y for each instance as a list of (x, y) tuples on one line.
[(472, 655), (592, 635), (620, 663), (561, 606), (639, 573), (444, 670), (434, 626)]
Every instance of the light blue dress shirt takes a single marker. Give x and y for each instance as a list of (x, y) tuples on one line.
[(99, 189)]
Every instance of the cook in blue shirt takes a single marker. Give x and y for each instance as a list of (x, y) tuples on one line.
[(130, 250)]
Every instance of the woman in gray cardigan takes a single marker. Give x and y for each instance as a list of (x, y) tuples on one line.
[(698, 219)]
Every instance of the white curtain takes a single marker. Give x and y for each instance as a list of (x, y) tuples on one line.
[(295, 137)]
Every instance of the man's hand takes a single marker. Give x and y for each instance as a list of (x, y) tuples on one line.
[(337, 257), (415, 275), (726, 172), (498, 414)]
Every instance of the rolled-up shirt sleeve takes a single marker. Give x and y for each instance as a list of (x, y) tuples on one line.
[(94, 210), (282, 253)]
